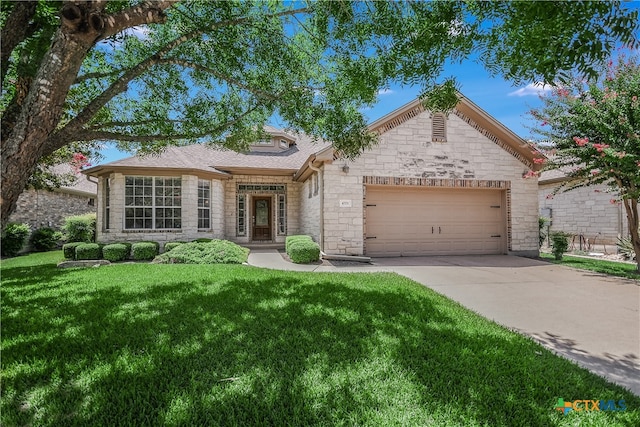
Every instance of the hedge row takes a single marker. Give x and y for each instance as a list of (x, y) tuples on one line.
[(302, 249), (140, 251)]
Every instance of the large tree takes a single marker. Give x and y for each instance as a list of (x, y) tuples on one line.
[(594, 131), (146, 74)]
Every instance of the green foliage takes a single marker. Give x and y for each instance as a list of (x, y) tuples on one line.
[(213, 252), (171, 245), (45, 239), (80, 228), (86, 251), (559, 243), (144, 251), (203, 240), (14, 236), (625, 248), (593, 130), (303, 251), (115, 252), (542, 233), (296, 238), (69, 249)]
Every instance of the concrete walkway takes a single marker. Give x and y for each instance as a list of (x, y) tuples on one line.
[(590, 318)]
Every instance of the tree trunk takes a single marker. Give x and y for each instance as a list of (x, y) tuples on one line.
[(40, 114), (631, 206)]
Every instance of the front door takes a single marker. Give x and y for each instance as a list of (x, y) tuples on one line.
[(262, 218)]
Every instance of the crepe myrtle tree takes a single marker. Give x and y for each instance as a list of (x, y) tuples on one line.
[(148, 74), (594, 133)]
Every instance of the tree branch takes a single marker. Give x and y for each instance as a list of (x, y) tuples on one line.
[(149, 12), (187, 64), (15, 30)]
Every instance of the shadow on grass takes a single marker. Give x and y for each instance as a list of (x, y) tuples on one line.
[(276, 349)]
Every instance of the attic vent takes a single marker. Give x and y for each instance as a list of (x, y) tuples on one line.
[(439, 127)]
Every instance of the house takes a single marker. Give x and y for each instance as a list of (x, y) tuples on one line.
[(45, 208), (590, 212), (435, 184)]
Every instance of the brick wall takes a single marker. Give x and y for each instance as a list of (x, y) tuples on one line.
[(585, 211), (41, 208), (407, 151)]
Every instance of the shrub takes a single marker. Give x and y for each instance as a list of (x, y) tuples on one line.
[(144, 251), (213, 252), (171, 245), (69, 249), (14, 236), (45, 239), (203, 240), (304, 251), (115, 252), (128, 245), (88, 251), (80, 228), (542, 234), (296, 238), (625, 248), (559, 243)]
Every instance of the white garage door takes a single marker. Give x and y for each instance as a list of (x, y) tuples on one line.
[(419, 221)]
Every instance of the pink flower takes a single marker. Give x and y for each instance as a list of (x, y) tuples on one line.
[(634, 98), (613, 201), (595, 172), (539, 160), (530, 174), (600, 147), (580, 142)]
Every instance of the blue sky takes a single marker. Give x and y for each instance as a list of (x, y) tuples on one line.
[(504, 101)]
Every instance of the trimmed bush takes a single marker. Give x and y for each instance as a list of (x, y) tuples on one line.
[(144, 251), (213, 252), (115, 252), (88, 251), (203, 240), (304, 251), (172, 245), (44, 239), (69, 249), (80, 228), (14, 236), (559, 243), (296, 238)]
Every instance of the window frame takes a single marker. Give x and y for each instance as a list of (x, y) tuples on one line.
[(171, 192), (204, 204)]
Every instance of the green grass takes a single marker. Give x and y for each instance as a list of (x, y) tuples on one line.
[(143, 344), (612, 268)]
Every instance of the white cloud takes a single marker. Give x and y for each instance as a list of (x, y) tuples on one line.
[(385, 91), (532, 89)]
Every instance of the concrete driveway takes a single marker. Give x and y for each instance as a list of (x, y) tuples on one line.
[(590, 318)]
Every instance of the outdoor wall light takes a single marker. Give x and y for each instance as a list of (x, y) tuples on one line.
[(345, 168)]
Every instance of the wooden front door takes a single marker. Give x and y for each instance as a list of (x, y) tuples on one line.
[(262, 218)]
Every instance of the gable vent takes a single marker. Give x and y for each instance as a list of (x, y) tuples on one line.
[(439, 127)]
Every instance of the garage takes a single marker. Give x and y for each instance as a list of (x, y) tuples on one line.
[(417, 221)]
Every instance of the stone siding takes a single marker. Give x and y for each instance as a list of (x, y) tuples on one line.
[(586, 211), (407, 151), (42, 208), (310, 208)]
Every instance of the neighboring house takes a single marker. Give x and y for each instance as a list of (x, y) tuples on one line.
[(435, 184), (583, 211), (44, 208)]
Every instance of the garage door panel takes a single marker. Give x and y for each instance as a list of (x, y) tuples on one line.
[(413, 222)]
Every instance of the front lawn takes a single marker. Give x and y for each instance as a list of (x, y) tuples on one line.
[(612, 268), (143, 344)]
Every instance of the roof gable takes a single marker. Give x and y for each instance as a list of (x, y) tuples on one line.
[(475, 117)]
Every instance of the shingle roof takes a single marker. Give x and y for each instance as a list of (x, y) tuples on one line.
[(81, 184), (210, 159)]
